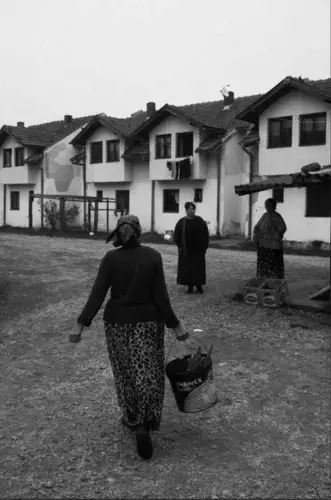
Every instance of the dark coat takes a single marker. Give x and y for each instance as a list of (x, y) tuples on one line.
[(192, 239)]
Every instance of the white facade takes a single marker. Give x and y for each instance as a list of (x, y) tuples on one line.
[(234, 168), (16, 179), (136, 177), (288, 160), (60, 178)]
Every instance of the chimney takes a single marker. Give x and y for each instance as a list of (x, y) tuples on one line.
[(20, 124), (67, 119), (151, 108), (228, 100)]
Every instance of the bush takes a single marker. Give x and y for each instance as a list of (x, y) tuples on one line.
[(52, 214)]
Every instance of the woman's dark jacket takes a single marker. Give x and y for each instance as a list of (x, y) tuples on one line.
[(138, 288)]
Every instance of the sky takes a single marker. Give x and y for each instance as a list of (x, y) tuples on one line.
[(83, 57)]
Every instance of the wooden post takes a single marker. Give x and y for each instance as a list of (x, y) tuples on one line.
[(107, 215), (30, 210), (42, 188), (218, 194), (62, 211), (96, 215)]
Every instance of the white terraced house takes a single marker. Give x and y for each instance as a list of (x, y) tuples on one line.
[(293, 130)]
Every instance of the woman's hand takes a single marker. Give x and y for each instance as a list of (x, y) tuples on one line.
[(75, 337), (181, 332)]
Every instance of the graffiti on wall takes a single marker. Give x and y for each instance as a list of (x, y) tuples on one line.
[(59, 168)]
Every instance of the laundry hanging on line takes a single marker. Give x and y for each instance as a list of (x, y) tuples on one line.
[(180, 169)]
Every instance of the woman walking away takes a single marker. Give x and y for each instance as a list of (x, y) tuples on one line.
[(134, 320), (191, 236), (268, 236)]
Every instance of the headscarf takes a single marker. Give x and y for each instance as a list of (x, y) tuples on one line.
[(128, 227)]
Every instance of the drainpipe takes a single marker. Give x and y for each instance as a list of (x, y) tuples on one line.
[(42, 188), (250, 209), (218, 194), (4, 204), (84, 187), (153, 208)]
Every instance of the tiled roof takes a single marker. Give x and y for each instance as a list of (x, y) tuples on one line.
[(212, 114), (317, 88), (290, 180), (209, 144), (34, 158), (140, 149), (45, 134)]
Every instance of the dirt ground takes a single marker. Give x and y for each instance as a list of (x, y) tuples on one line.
[(60, 437)]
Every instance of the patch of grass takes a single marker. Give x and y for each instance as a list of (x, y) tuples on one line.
[(59, 423)]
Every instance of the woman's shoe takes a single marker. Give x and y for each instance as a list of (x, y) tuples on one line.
[(200, 289), (144, 442), (189, 290)]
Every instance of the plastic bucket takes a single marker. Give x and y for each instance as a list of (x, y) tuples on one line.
[(194, 390)]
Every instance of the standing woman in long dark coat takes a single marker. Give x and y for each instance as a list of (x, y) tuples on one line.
[(191, 236)]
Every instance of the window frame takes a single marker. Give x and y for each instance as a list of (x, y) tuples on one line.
[(279, 119), (92, 144), (10, 152), (118, 208), (108, 143), (14, 206), (176, 191), (281, 191), (19, 150), (178, 137), (196, 191), (158, 156), (314, 116), (309, 211), (98, 194)]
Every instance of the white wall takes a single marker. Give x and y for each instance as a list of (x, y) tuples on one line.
[(140, 197), (290, 160), (106, 172), (235, 171), (19, 218), (173, 125), (22, 179), (299, 227)]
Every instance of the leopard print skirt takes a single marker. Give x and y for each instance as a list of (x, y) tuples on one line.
[(136, 354)]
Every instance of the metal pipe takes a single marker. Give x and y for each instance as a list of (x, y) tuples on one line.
[(250, 207), (218, 194)]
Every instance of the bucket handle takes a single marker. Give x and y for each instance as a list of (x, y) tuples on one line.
[(192, 336)]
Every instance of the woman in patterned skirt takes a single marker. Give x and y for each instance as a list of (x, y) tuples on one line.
[(268, 236), (134, 318)]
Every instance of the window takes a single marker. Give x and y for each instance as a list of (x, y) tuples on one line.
[(171, 201), (7, 158), (197, 195), (318, 199), (113, 151), (96, 152), (184, 144), (14, 200), (312, 129), (123, 200), (100, 194), (19, 157), (163, 146), (280, 132), (278, 195)]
